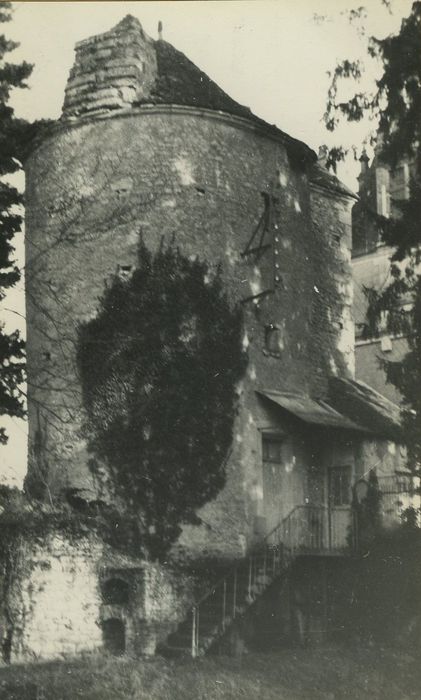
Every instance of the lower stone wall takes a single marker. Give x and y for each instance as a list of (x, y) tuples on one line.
[(65, 595), (53, 599)]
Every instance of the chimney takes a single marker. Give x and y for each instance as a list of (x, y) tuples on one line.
[(364, 160), (322, 156), (111, 71)]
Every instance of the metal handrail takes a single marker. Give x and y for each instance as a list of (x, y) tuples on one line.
[(275, 558), (273, 554)]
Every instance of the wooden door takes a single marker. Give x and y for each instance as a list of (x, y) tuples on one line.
[(272, 480)]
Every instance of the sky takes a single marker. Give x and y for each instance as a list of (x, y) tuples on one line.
[(273, 56)]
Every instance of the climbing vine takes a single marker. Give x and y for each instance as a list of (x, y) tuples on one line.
[(159, 365)]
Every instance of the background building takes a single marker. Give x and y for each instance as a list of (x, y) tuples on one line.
[(380, 189)]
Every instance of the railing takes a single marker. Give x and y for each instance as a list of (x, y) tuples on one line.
[(399, 483), (304, 530), (398, 492)]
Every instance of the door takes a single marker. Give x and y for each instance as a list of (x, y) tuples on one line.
[(272, 480), (339, 506)]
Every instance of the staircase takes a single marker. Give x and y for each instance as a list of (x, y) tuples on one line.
[(304, 531)]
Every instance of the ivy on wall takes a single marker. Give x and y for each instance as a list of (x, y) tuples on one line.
[(159, 365)]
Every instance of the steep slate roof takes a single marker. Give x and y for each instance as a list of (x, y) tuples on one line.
[(124, 68), (181, 82)]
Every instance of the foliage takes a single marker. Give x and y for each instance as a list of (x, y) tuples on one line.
[(368, 517), (387, 575), (159, 367), (387, 587), (395, 108), (318, 673), (12, 131)]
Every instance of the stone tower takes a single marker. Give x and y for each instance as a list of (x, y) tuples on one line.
[(148, 145)]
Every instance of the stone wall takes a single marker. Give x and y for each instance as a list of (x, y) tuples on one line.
[(331, 216), (53, 598), (55, 602)]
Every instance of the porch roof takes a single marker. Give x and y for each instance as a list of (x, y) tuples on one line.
[(315, 412), (364, 404)]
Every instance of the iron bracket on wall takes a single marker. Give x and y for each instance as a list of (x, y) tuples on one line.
[(260, 240)]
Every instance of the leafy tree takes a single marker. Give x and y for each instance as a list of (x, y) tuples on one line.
[(386, 588), (159, 366), (395, 106), (13, 133), (368, 514)]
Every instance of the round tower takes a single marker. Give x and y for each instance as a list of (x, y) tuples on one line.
[(149, 146)]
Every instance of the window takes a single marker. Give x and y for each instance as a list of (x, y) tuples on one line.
[(125, 271), (340, 486), (273, 339), (386, 343), (384, 201), (399, 182), (271, 450)]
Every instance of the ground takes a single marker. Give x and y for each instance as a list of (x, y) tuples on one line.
[(325, 673)]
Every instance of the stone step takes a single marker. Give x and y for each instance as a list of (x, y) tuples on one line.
[(210, 614)]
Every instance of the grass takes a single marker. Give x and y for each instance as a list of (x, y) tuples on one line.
[(325, 673)]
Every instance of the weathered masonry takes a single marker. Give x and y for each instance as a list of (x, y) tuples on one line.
[(149, 146)]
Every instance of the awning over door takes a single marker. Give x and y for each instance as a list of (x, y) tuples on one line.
[(311, 411)]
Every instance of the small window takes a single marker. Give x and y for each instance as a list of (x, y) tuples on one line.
[(271, 450), (386, 343), (125, 271), (340, 486), (273, 339), (399, 182)]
